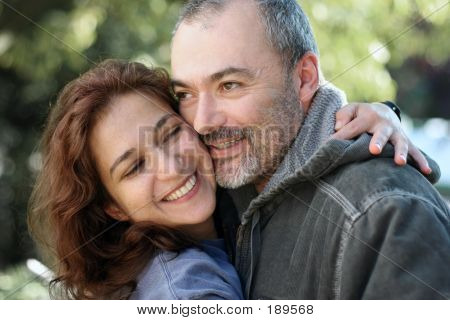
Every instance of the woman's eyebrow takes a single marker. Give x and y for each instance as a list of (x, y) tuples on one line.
[(161, 122), (158, 131), (120, 159)]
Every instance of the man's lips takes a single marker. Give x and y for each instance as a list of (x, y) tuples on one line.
[(224, 144), (227, 148)]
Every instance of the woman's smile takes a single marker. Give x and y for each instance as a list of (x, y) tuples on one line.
[(186, 191)]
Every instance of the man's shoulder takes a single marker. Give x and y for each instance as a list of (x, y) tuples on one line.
[(399, 227), (378, 179)]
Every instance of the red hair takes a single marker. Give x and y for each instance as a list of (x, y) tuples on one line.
[(93, 255)]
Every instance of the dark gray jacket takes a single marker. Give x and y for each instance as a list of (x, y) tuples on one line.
[(335, 222)]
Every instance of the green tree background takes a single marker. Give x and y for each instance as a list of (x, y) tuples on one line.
[(374, 50)]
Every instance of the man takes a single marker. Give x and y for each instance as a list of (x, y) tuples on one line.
[(319, 218)]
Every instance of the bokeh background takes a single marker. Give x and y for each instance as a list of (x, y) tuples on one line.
[(374, 50)]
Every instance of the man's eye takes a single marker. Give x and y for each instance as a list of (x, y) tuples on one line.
[(182, 95), (227, 86), (137, 167), (172, 134)]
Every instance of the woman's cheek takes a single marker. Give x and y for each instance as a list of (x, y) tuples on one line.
[(187, 142), (189, 135), (139, 191)]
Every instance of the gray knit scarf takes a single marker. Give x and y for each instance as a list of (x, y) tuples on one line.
[(317, 127)]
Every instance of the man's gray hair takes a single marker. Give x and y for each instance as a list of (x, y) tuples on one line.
[(287, 27)]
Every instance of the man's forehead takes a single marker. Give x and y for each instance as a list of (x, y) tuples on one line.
[(231, 38), (206, 25), (235, 15), (209, 11), (211, 40)]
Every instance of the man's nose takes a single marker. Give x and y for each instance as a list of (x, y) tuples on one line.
[(209, 116)]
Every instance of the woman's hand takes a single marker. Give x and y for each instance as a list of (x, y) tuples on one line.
[(380, 121)]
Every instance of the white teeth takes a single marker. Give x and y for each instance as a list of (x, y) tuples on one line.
[(190, 183), (227, 144)]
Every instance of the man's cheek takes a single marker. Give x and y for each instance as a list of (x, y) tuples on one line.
[(188, 115)]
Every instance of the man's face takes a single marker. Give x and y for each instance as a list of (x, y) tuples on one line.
[(235, 93)]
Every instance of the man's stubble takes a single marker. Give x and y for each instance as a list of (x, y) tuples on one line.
[(268, 141)]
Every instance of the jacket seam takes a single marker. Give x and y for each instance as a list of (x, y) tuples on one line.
[(350, 211), (168, 276), (388, 194), (351, 214), (345, 235)]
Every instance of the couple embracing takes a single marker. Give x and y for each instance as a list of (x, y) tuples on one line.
[(127, 197)]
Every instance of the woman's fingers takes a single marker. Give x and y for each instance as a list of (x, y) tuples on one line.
[(420, 159), (351, 130), (401, 145), (345, 115), (377, 119), (380, 138)]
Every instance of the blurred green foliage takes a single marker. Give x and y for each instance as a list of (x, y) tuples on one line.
[(18, 283), (348, 31), (46, 43)]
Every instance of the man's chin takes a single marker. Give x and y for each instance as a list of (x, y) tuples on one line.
[(233, 175), (226, 175), (229, 182)]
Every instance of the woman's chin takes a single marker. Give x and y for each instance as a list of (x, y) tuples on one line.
[(197, 205)]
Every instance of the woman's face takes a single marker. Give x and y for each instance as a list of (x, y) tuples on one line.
[(152, 164)]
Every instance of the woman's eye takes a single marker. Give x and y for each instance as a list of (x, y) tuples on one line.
[(136, 168), (172, 134), (227, 86)]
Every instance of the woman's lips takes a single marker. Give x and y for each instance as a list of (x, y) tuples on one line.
[(186, 191)]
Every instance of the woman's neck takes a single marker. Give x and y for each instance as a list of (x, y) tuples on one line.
[(202, 231)]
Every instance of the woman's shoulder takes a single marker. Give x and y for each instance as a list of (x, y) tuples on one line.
[(194, 273)]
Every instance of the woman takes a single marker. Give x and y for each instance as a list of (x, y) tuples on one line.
[(127, 212)]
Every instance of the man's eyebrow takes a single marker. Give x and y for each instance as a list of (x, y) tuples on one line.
[(120, 159), (219, 75), (178, 83), (232, 70)]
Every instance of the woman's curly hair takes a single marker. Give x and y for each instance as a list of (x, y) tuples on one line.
[(93, 255)]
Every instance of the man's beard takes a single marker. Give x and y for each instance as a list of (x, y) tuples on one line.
[(268, 141)]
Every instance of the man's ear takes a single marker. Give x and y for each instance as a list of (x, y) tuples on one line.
[(115, 212), (307, 71)]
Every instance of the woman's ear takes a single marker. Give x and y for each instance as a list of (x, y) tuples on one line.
[(307, 71), (115, 212)]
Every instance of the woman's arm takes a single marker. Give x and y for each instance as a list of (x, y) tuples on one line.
[(383, 123)]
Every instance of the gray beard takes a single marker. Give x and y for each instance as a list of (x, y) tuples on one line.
[(269, 142)]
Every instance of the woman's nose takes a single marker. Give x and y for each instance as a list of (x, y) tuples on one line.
[(173, 164)]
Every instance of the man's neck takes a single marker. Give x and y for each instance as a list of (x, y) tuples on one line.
[(261, 183)]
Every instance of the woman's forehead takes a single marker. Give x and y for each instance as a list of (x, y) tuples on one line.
[(136, 104)]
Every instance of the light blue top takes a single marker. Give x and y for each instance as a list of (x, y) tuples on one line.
[(195, 273)]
